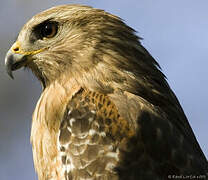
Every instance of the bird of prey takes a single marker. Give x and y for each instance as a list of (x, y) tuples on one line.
[(106, 110)]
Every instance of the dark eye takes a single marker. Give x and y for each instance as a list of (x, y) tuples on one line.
[(49, 29)]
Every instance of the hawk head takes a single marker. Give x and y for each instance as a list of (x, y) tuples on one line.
[(94, 47)]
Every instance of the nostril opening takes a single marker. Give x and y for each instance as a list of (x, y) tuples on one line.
[(16, 49)]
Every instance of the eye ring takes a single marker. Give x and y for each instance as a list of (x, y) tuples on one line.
[(49, 30)]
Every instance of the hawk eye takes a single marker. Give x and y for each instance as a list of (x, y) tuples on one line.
[(49, 29)]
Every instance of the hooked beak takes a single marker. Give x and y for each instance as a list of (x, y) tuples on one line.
[(14, 61), (17, 58)]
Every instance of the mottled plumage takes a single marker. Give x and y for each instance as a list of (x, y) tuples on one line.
[(106, 111)]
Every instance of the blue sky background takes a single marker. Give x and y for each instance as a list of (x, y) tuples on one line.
[(174, 32)]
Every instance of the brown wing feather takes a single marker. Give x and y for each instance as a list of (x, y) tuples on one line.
[(101, 137), (159, 149), (91, 135)]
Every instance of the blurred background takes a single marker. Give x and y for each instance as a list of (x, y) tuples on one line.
[(174, 32)]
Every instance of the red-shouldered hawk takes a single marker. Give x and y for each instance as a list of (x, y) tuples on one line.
[(106, 111)]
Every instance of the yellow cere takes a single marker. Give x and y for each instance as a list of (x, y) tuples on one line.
[(16, 49)]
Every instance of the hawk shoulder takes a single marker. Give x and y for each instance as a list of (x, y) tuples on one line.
[(91, 135), (99, 137)]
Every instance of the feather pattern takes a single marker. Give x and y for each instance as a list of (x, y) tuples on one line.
[(91, 133)]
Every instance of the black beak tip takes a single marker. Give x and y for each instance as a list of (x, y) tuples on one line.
[(9, 72), (9, 62)]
